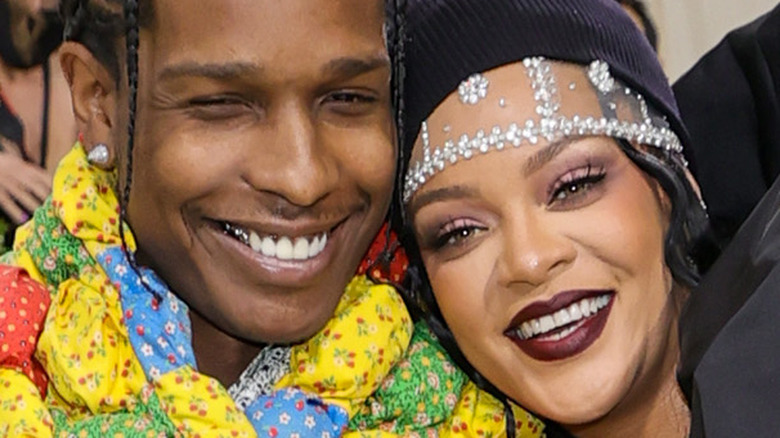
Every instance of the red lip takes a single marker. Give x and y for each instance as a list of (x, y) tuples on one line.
[(587, 330)]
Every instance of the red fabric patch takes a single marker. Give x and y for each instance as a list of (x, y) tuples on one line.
[(394, 271), (23, 306)]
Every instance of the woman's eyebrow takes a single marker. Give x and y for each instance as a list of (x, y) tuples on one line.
[(545, 155), (438, 195)]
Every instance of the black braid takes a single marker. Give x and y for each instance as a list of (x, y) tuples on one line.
[(131, 14), (399, 79), (396, 34)]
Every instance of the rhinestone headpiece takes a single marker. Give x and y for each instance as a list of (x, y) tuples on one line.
[(624, 115)]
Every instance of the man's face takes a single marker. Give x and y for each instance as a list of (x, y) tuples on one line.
[(264, 156), (29, 31)]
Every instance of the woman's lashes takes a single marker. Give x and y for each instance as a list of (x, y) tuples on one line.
[(455, 232), (575, 184)]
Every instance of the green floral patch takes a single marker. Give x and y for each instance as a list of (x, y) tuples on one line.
[(57, 253), (421, 390), (142, 420)]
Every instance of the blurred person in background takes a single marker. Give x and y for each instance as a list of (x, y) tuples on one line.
[(36, 119), (731, 106), (638, 12)]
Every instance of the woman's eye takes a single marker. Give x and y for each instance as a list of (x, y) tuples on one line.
[(575, 186), (456, 233)]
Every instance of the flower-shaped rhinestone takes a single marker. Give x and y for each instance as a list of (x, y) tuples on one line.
[(473, 89)]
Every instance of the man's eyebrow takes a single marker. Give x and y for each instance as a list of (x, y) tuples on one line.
[(351, 66), (223, 71), (438, 195), (545, 155)]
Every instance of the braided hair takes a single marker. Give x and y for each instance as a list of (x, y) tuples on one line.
[(99, 25)]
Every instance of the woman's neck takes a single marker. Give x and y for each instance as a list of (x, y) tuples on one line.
[(219, 354)]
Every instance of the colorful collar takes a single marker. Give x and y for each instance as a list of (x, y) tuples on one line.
[(118, 356)]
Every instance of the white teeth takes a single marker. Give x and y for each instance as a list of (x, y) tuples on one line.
[(527, 329), (548, 323), (301, 249), (269, 247), (536, 326), (561, 318), (255, 241), (314, 247), (282, 248), (585, 308), (575, 312), (323, 242)]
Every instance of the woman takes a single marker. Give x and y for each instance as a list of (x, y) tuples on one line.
[(549, 215), (37, 126), (193, 273)]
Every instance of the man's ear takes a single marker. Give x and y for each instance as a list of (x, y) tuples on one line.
[(94, 93)]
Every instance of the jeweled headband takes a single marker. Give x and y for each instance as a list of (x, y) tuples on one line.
[(622, 113)]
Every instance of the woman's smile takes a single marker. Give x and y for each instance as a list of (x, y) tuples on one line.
[(563, 326)]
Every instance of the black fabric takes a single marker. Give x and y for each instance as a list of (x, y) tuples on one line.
[(729, 332), (470, 36), (730, 104), (10, 126)]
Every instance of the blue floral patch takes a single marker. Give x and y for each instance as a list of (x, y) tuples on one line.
[(158, 325), (295, 414)]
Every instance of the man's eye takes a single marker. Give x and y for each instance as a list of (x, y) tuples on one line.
[(351, 98), (219, 107)]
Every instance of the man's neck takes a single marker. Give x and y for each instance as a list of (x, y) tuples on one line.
[(219, 354)]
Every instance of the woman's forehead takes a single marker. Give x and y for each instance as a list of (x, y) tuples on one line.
[(528, 101), (513, 94)]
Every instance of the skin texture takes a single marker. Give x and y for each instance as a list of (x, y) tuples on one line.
[(278, 120), (507, 229)]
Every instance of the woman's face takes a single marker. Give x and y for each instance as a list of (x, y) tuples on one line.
[(547, 263), (264, 156)]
